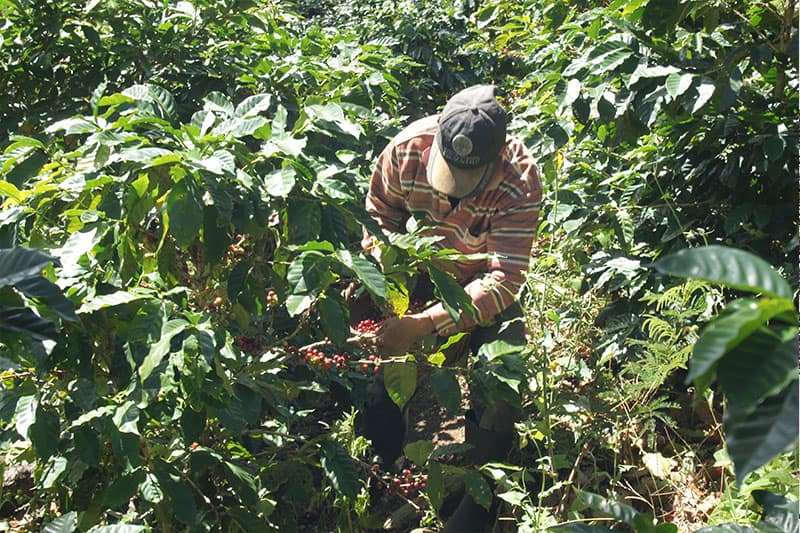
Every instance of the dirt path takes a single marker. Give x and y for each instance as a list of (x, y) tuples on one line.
[(429, 420)]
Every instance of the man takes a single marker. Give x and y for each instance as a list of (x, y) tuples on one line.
[(462, 178)]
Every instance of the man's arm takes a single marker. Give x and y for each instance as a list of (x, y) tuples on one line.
[(385, 200), (509, 244)]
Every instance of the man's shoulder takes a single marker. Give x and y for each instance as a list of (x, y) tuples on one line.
[(520, 176), (422, 129)]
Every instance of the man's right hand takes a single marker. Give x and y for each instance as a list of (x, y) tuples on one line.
[(398, 335)]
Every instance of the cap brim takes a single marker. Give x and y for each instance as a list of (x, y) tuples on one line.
[(451, 180)]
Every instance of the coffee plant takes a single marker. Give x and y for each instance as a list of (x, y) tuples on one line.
[(182, 188)]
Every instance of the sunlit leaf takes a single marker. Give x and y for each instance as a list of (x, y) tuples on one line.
[(161, 348), (419, 451), (366, 272), (253, 105), (25, 414), (618, 510), (65, 523), (400, 380), (740, 320), (218, 103), (732, 267), (113, 299), (677, 84), (280, 182)]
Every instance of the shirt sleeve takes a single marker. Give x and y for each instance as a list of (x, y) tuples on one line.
[(508, 244), (385, 200)]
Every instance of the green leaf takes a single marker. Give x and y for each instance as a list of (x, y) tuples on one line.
[(161, 348), (253, 105), (733, 528), (127, 450), (73, 126), (237, 280), (181, 495), (122, 489), (704, 93), (218, 103), (244, 482), (400, 380), (446, 388), (151, 490), (333, 313), (514, 497), (478, 488), (147, 156), (119, 528), (617, 510), (643, 524), (677, 83), (94, 414), (65, 523), (499, 348), (778, 511), (340, 469), (163, 100), (611, 60), (451, 449), (126, 418), (44, 432), (303, 220), (25, 414), (18, 264), (44, 289), (308, 276), (740, 320), (759, 367), (331, 115), (220, 163), (567, 92), (192, 424), (661, 15), (283, 143), (768, 431), (183, 207), (729, 266), (53, 471), (665, 528), (24, 320), (280, 182), (580, 528), (419, 451), (435, 486), (453, 296), (366, 272), (113, 299)]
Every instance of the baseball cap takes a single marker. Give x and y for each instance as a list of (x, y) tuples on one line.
[(471, 133)]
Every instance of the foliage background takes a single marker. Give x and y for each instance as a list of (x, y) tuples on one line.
[(177, 160)]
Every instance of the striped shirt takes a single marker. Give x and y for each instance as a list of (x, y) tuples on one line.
[(500, 220)]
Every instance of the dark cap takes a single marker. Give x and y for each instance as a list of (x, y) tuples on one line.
[(471, 133)]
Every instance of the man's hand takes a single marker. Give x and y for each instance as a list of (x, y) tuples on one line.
[(397, 335)]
